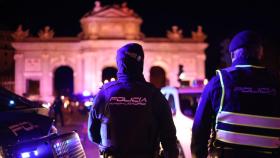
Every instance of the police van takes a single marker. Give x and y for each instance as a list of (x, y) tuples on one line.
[(183, 102)]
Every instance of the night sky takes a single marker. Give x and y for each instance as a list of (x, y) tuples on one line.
[(220, 20)]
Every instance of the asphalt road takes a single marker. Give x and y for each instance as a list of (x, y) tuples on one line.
[(75, 121)]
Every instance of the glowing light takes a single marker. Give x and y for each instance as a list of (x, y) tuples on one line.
[(1, 152), (65, 105), (86, 93), (112, 79), (183, 76), (205, 81), (46, 105), (106, 81), (57, 144), (77, 103), (35, 153), (62, 97), (100, 84), (88, 103), (12, 102), (25, 155)]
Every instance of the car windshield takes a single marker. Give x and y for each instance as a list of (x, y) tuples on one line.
[(10, 101), (188, 103)]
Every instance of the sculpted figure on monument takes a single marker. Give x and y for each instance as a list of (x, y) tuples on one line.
[(20, 34), (46, 33), (97, 6), (199, 35), (126, 9), (175, 34)]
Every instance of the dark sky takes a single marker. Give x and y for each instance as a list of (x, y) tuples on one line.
[(220, 20)]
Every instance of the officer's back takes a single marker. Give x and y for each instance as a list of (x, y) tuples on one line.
[(130, 116), (239, 107)]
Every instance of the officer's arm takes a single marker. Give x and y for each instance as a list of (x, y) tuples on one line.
[(94, 123), (202, 124), (166, 127)]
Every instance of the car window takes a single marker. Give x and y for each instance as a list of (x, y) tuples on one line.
[(188, 104), (172, 103)]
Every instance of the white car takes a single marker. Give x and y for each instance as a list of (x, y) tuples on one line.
[(183, 103)]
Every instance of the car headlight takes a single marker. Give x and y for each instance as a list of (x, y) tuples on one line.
[(29, 154)]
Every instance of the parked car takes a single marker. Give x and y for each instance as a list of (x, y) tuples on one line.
[(183, 102), (26, 131)]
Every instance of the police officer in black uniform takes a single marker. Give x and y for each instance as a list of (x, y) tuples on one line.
[(58, 112), (130, 116), (239, 110)]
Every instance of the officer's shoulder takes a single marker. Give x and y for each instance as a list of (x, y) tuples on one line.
[(229, 69), (109, 85), (149, 86), (214, 82)]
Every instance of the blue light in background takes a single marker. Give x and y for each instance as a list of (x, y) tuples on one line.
[(11, 103), (36, 153), (25, 155)]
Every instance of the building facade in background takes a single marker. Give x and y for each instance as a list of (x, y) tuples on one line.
[(7, 64), (47, 64)]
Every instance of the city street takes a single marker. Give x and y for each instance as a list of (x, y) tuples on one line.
[(75, 121)]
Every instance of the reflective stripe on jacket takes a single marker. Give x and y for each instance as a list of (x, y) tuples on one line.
[(240, 120)]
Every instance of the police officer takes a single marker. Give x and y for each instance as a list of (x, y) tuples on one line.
[(239, 107), (57, 107), (130, 116)]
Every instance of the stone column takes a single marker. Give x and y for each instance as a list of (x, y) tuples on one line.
[(46, 83), (173, 69), (97, 72), (88, 71), (20, 82), (200, 64), (78, 74)]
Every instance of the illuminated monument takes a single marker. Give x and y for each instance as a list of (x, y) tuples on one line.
[(104, 30)]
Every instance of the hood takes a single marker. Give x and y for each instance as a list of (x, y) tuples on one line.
[(130, 61)]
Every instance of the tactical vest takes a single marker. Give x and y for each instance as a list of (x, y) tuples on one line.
[(248, 115)]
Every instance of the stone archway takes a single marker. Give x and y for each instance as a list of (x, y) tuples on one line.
[(108, 73), (63, 81), (158, 76)]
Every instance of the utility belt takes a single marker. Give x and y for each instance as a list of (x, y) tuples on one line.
[(228, 152)]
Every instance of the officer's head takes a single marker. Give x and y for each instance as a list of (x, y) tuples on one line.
[(246, 44), (130, 59)]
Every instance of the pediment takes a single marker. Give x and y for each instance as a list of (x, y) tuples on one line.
[(112, 12)]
